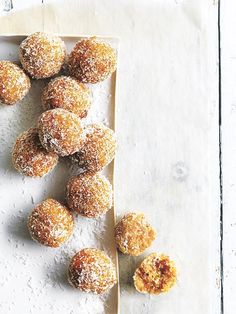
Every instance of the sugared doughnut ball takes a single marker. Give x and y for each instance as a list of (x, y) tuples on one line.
[(133, 234), (67, 93), (42, 55), (88, 195), (60, 131), (14, 83), (156, 274), (29, 157), (97, 150), (50, 223), (92, 61), (91, 270)]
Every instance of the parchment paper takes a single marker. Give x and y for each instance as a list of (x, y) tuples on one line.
[(167, 122)]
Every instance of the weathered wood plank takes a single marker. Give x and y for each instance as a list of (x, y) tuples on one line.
[(7, 5), (228, 65), (24, 17)]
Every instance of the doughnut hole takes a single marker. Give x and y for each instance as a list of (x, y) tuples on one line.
[(30, 158), (42, 55), (91, 270), (50, 223), (14, 83), (60, 131), (92, 61)]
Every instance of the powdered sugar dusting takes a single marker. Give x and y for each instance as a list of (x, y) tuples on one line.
[(34, 276)]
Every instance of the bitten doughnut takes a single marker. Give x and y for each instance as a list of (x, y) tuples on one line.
[(67, 93), (60, 131), (91, 270), (14, 83), (29, 157), (50, 223), (92, 61), (42, 55), (156, 274), (133, 234), (88, 195), (97, 149)]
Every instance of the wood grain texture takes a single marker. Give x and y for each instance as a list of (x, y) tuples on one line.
[(167, 121), (228, 65), (25, 17), (7, 5)]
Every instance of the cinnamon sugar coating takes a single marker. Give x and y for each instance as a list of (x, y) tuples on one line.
[(67, 93), (29, 157), (97, 149), (88, 195), (14, 83), (133, 234), (50, 223), (92, 61), (91, 270), (42, 55), (156, 274), (60, 131)]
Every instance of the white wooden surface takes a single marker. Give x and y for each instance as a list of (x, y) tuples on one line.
[(228, 64), (167, 122)]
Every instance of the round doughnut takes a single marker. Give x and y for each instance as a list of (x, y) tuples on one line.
[(133, 234), (42, 55), (92, 61), (155, 275), (91, 270), (14, 83), (60, 131), (29, 157), (67, 93), (97, 149), (89, 195), (50, 223)]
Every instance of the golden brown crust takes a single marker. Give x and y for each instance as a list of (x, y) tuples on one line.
[(42, 55), (92, 61), (156, 274), (50, 223), (67, 93), (133, 234), (97, 149), (88, 195), (91, 270), (29, 157), (60, 131), (14, 83)]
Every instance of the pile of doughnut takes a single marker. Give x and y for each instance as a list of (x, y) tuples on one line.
[(60, 132)]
